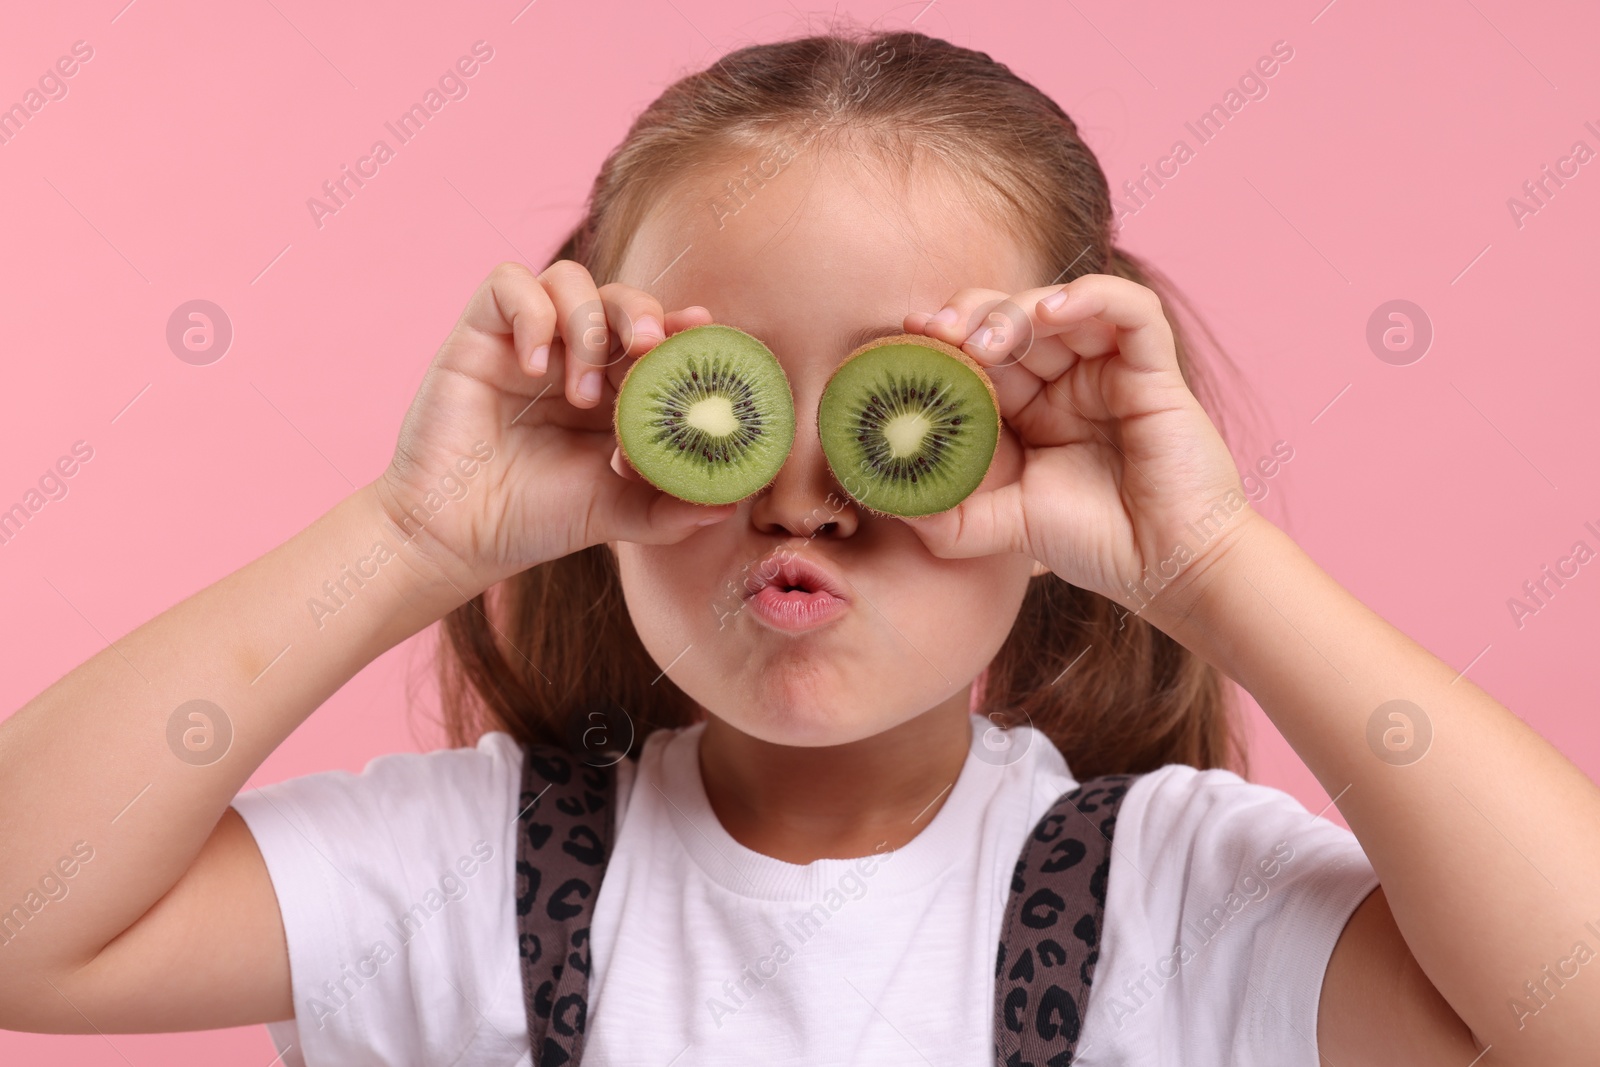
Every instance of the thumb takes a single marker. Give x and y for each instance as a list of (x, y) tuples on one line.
[(629, 510), (984, 524)]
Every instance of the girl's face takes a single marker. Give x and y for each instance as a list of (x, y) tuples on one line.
[(814, 261)]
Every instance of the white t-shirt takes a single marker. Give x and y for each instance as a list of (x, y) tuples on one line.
[(397, 891)]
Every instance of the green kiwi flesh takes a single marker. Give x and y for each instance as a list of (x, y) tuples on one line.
[(706, 415), (909, 425)]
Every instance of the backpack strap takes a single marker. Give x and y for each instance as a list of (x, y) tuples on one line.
[(1051, 930), (565, 824)]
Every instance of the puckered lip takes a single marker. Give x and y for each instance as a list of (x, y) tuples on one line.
[(787, 569)]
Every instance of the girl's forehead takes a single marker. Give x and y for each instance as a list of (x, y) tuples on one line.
[(826, 238)]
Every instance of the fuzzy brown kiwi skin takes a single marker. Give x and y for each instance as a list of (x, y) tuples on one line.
[(938, 346), (616, 429)]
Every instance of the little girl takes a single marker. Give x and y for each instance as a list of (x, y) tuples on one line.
[(818, 813)]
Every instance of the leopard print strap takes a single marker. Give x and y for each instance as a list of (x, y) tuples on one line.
[(564, 839), (564, 834), (1051, 930)]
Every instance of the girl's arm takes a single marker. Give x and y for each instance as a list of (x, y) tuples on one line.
[(133, 899), (1487, 845), (171, 922), (1487, 848)]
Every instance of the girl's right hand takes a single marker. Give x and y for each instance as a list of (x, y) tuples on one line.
[(511, 433)]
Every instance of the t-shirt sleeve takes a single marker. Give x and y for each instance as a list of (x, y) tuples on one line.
[(1224, 901), (396, 887)]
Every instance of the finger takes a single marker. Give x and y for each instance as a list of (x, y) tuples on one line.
[(689, 316), (998, 330), (965, 313), (1087, 338), (1143, 336), (1015, 387), (584, 333), (543, 401), (637, 325), (984, 524), (508, 307), (673, 322), (1005, 330), (635, 318), (629, 510)]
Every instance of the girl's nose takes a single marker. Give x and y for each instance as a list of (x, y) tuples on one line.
[(804, 500)]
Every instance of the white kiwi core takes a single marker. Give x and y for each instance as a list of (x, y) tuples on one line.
[(905, 433), (713, 415)]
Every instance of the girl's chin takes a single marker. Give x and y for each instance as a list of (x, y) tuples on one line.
[(804, 694), (811, 715), (802, 730)]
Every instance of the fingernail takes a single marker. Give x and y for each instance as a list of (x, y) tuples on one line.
[(947, 317), (1054, 300), (539, 360), (589, 385), (714, 519), (984, 338), (648, 327)]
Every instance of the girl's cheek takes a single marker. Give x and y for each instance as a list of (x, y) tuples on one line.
[(692, 576)]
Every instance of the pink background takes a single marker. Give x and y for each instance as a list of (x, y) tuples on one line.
[(1377, 167)]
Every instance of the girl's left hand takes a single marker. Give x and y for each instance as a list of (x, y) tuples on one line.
[(1125, 483)]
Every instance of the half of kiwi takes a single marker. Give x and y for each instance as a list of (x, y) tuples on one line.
[(909, 425), (706, 415)]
